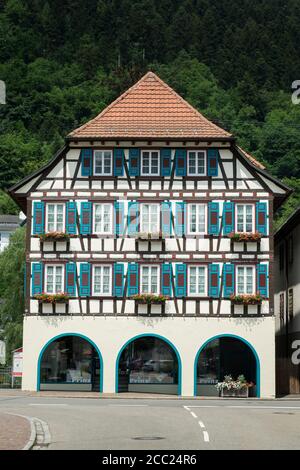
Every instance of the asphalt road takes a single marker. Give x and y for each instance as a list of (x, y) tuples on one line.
[(109, 424)]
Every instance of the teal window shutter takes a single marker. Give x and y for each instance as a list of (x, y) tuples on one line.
[(36, 278), (119, 162), (180, 218), (166, 279), (228, 279), (166, 218), (86, 218), (119, 279), (134, 162), (85, 280), (212, 162), (213, 218), (180, 280), (71, 216), (181, 163), (165, 161), (262, 279), (71, 278), (133, 218), (119, 217), (261, 218), (133, 279), (38, 218), (86, 157), (228, 218), (214, 280)]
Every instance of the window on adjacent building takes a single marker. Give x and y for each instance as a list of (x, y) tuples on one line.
[(102, 162), (196, 163), (197, 280), (290, 304), (102, 280), (245, 280), (197, 218), (150, 279), (245, 217), (150, 215), (103, 218), (55, 218), (54, 280), (281, 309), (150, 163)]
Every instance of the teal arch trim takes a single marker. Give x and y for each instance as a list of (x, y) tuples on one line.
[(61, 336), (154, 336), (227, 335)]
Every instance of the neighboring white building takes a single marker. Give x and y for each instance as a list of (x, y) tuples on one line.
[(287, 304), (8, 224), (149, 198)]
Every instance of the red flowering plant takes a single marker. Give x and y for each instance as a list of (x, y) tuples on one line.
[(54, 237), (150, 298), (60, 297), (246, 299), (245, 236)]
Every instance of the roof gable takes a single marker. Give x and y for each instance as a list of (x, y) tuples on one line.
[(150, 109)]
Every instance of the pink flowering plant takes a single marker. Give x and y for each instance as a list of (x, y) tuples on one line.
[(245, 236), (54, 236), (230, 384), (60, 297), (246, 299), (150, 298)]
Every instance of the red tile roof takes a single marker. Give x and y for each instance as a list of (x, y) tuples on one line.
[(149, 109), (252, 159)]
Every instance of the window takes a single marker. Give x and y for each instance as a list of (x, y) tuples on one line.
[(245, 218), (102, 280), (197, 218), (290, 304), (196, 163), (150, 163), (150, 280), (197, 280), (245, 280), (102, 162), (281, 309), (55, 218), (54, 281), (103, 218), (150, 218)]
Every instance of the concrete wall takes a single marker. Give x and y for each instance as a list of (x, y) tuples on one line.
[(186, 334)]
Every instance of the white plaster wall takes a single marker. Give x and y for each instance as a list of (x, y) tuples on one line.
[(186, 334)]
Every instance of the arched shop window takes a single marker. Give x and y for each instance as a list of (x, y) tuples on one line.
[(148, 364), (70, 363), (224, 356)]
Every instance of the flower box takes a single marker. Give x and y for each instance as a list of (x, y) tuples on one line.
[(238, 388), (149, 235), (240, 393), (54, 237), (53, 298), (246, 299), (149, 299), (245, 237)]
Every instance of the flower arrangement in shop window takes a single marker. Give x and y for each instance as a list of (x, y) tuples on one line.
[(54, 237), (245, 236), (246, 299), (150, 298), (60, 297), (234, 385)]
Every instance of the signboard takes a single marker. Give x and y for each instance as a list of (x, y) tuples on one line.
[(17, 363)]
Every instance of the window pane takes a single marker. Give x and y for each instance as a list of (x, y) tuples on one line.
[(192, 163), (201, 218), (240, 280), (201, 280), (249, 222), (201, 163), (240, 218), (98, 163)]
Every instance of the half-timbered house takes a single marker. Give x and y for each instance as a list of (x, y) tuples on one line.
[(149, 255)]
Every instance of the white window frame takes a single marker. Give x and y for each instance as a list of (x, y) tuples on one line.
[(150, 164), (158, 212), (193, 294), (54, 277), (244, 216), (106, 294), (55, 204), (101, 232), (197, 169), (111, 162), (245, 266), (149, 276), (189, 221)]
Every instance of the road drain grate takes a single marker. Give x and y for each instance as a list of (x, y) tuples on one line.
[(149, 438)]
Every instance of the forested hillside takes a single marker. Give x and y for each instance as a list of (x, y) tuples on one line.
[(64, 61)]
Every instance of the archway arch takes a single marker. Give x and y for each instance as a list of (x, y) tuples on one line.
[(248, 361), (155, 360), (76, 364)]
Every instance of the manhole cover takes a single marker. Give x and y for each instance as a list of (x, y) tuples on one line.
[(149, 438)]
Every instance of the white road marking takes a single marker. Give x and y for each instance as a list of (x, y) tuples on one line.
[(133, 406), (201, 424), (248, 407), (187, 408), (206, 436), (48, 404), (194, 415)]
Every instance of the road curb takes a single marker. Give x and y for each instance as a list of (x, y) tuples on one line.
[(40, 436)]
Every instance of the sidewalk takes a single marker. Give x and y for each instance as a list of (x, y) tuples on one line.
[(15, 432)]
